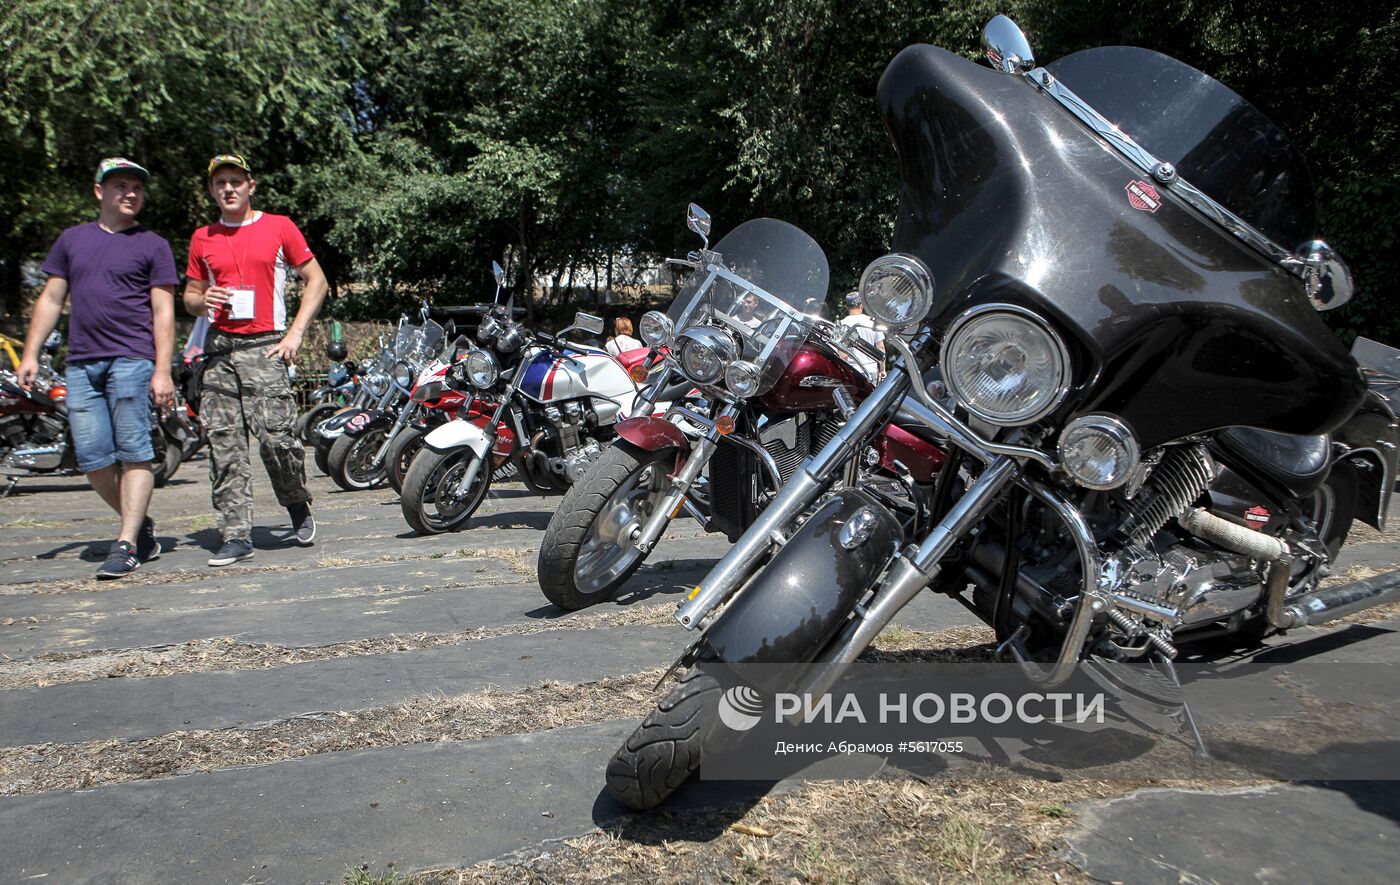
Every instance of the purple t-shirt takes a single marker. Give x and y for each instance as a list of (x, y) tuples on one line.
[(110, 277)]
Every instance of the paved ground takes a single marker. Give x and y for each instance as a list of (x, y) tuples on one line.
[(327, 685)]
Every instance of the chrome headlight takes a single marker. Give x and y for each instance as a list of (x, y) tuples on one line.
[(482, 368), (403, 374), (741, 378), (377, 383), (1099, 451), (489, 327), (897, 289), (656, 328), (1005, 365), (705, 352)]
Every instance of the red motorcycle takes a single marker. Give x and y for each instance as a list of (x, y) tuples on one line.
[(779, 383)]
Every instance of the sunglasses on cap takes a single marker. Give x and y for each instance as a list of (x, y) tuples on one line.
[(229, 160)]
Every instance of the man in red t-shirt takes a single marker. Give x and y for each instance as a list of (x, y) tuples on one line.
[(238, 277)]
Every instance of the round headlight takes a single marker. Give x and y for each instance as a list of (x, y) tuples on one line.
[(741, 378), (377, 383), (403, 374), (482, 368), (705, 352), (1098, 451), (656, 328), (897, 289), (1005, 365), (489, 327)]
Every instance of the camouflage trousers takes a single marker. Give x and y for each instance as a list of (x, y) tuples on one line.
[(246, 393)]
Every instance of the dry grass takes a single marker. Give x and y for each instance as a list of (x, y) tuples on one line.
[(523, 560), (209, 655), (471, 716), (50, 586), (981, 828)]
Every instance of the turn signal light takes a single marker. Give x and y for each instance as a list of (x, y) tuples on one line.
[(724, 425), (638, 373)]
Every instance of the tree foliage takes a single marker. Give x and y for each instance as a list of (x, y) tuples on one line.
[(416, 140)]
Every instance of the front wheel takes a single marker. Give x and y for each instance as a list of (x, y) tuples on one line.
[(402, 451), (322, 453), (432, 499), (587, 552), (666, 749), (306, 424), (350, 462)]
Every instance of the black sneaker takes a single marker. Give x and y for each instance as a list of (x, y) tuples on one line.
[(234, 550), (147, 547), (121, 561), (303, 524)]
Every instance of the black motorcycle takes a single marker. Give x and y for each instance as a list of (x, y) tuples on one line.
[(1153, 436)]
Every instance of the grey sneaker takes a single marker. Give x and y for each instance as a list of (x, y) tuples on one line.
[(121, 561), (147, 547), (303, 524), (234, 550)]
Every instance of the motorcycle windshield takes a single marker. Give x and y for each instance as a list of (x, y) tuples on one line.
[(759, 284), (1218, 142)]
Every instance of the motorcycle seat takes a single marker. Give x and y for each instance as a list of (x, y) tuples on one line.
[(1298, 463), (630, 358)]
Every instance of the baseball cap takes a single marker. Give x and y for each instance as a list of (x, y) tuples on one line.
[(229, 160), (853, 298), (113, 165)]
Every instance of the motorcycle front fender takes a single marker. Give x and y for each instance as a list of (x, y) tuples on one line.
[(363, 422), (458, 434), (651, 434), (333, 426), (1371, 435), (794, 607)]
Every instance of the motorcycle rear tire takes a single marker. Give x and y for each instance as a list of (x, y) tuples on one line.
[(345, 453), (402, 451), (417, 500), (311, 417), (666, 749), (160, 465), (573, 525)]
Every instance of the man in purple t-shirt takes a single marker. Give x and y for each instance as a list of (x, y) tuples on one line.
[(120, 338)]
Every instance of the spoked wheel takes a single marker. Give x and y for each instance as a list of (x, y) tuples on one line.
[(433, 500), (666, 749), (351, 461), (587, 551), (402, 451)]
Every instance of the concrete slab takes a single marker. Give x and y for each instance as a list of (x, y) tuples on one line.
[(134, 708), (315, 622), (1338, 832), (415, 807)]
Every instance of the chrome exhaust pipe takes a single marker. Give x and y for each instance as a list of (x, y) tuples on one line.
[(1337, 602)]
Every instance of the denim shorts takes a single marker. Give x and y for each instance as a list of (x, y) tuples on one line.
[(109, 411)]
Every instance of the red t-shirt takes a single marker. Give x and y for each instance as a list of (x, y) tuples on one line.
[(253, 255)]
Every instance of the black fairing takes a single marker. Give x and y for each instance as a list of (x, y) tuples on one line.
[(1173, 324), (799, 601)]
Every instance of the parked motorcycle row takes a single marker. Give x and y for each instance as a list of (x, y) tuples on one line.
[(1114, 424), (35, 437)]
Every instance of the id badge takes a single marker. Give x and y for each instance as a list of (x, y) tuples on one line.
[(240, 305)]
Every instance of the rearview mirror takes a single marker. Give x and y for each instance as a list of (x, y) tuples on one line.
[(1006, 46), (1326, 276), (588, 323), (698, 220)]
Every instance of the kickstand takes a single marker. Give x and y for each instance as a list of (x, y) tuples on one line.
[(14, 481), (1165, 665)]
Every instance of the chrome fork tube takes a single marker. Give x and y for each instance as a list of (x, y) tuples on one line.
[(910, 574), (674, 499), (405, 414), (474, 468), (808, 481)]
